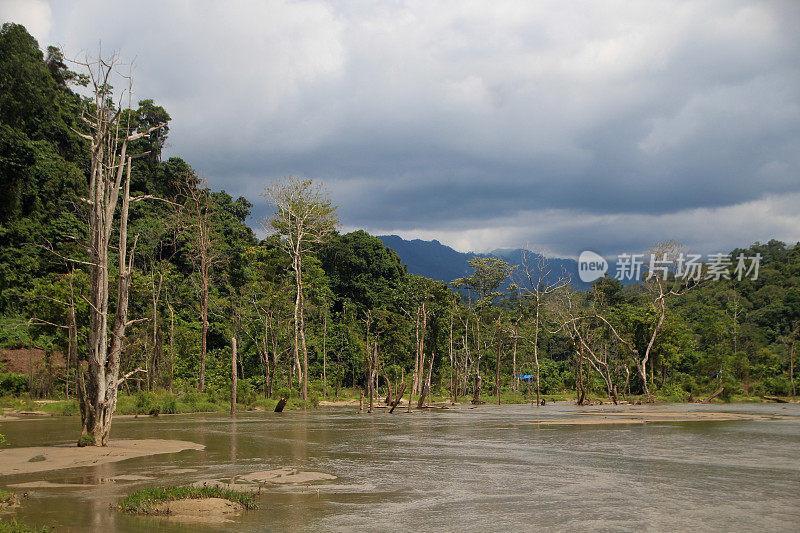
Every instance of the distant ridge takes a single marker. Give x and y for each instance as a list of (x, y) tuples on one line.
[(437, 261)]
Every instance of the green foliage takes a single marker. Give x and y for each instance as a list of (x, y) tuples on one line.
[(672, 393), (13, 384), (489, 273), (144, 501), (10, 525), (86, 440), (740, 333)]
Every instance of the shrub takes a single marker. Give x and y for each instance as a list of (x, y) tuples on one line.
[(86, 440), (147, 403), (245, 392), (13, 383), (169, 405), (673, 393), (732, 388), (778, 385)]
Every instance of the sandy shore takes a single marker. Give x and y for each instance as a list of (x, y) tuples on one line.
[(255, 481), (644, 417), (199, 510), (18, 460)]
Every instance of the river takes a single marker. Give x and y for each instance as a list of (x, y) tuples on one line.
[(488, 468)]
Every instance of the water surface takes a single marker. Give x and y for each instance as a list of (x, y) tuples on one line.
[(469, 469)]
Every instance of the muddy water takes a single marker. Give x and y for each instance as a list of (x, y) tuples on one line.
[(470, 469)]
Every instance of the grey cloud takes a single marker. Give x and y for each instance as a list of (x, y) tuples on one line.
[(447, 119)]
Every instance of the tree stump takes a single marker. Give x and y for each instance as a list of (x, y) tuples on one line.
[(280, 406)]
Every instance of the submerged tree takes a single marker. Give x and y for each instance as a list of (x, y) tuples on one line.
[(303, 216), (109, 178), (538, 285), (489, 274)]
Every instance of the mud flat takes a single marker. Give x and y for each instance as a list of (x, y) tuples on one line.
[(199, 511), (644, 417), (18, 460)]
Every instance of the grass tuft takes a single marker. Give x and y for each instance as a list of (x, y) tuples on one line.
[(15, 527), (144, 501)]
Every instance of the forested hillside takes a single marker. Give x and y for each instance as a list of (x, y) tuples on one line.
[(201, 278)]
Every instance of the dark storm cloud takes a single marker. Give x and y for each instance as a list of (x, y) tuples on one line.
[(604, 125)]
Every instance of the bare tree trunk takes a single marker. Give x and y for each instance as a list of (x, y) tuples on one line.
[(515, 380), (398, 397), (453, 393), (499, 351), (373, 372), (171, 345), (72, 332), (155, 298), (325, 352), (791, 369), (536, 352), (476, 399), (265, 349), (428, 381), (579, 376), (100, 393), (298, 314), (234, 375), (204, 319)]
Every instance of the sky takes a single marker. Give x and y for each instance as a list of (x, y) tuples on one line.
[(560, 126)]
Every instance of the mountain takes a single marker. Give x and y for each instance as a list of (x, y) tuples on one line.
[(437, 261), (431, 259)]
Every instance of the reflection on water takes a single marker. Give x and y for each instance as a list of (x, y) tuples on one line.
[(465, 469)]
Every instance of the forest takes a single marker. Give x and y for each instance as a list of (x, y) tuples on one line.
[(204, 311)]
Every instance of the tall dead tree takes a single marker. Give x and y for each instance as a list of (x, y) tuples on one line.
[(303, 216), (584, 330), (234, 374), (537, 284), (110, 132), (197, 222), (489, 274)]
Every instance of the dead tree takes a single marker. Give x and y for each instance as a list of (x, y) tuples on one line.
[(303, 216), (398, 397), (583, 332), (536, 283), (660, 288), (197, 223), (499, 352), (234, 375), (109, 192)]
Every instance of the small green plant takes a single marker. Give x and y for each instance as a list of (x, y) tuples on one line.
[(15, 527), (169, 405), (86, 440), (37, 459)]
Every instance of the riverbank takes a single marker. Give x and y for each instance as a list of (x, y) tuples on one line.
[(432, 467), (33, 459), (166, 403)]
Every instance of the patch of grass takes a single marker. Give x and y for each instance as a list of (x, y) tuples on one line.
[(15, 527), (5, 496), (62, 408), (37, 459), (144, 501), (18, 403), (267, 404)]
